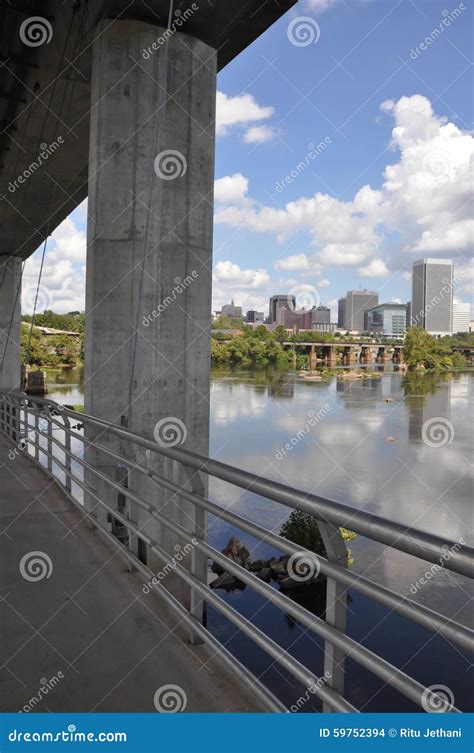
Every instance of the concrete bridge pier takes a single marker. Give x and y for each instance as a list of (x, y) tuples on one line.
[(312, 359), (148, 291), (380, 358), (398, 356), (366, 355), (10, 318), (329, 355), (349, 357)]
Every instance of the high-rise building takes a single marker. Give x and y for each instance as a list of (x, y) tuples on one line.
[(408, 319), (321, 315), (357, 303), (341, 313), (461, 317), (278, 302), (387, 319), (432, 295), (254, 317)]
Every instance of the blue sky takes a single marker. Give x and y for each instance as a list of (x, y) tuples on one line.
[(389, 185)]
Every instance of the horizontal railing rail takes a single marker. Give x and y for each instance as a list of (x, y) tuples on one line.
[(16, 410)]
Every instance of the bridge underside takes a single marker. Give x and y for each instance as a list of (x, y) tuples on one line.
[(45, 96), (87, 638)]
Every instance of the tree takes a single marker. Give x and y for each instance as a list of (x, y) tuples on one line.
[(281, 334)]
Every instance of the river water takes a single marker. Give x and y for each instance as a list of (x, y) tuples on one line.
[(374, 446)]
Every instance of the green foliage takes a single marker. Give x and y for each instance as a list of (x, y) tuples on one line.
[(422, 350), (52, 350), (226, 322), (302, 529), (73, 322)]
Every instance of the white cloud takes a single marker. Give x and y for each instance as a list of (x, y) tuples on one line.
[(324, 283), (423, 201), (259, 134), (376, 268), (238, 111), (232, 189), (234, 276), (296, 263)]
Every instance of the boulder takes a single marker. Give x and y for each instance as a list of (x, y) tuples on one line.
[(265, 574)]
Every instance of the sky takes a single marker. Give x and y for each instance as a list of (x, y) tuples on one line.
[(344, 139)]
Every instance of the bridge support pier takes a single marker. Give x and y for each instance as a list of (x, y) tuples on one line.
[(10, 318), (148, 292)]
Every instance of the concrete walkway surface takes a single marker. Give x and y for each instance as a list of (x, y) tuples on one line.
[(77, 633)]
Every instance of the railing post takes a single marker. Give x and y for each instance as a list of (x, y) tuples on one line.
[(336, 609), (49, 448), (67, 455), (198, 558), (37, 437)]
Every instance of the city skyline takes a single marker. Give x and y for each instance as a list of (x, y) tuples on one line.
[(385, 181)]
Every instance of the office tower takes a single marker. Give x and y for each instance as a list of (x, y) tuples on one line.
[(387, 319), (357, 303), (255, 316), (341, 313), (278, 302), (321, 315), (408, 319), (432, 295), (461, 317)]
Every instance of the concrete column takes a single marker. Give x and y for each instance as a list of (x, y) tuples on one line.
[(151, 178), (10, 318)]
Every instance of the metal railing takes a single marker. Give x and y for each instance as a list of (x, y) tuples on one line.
[(45, 429)]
